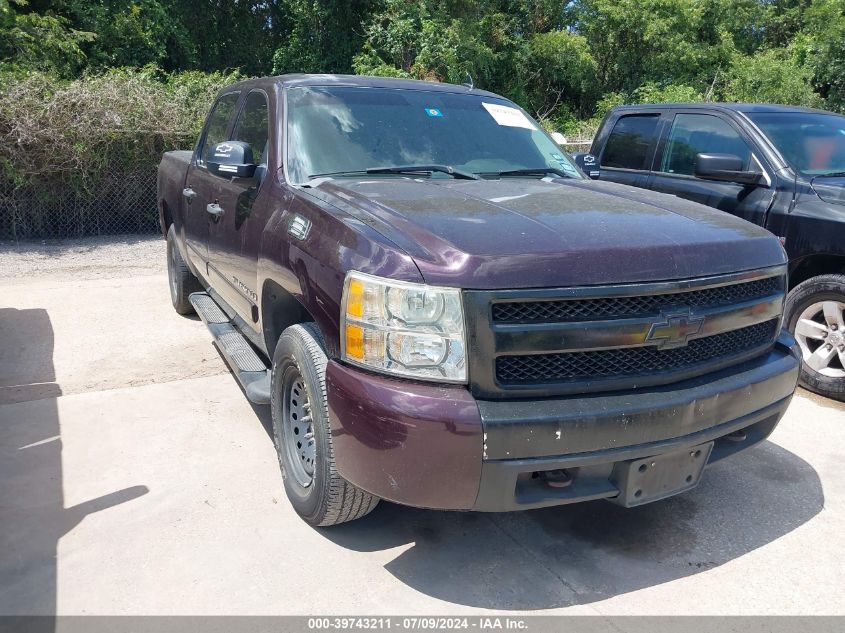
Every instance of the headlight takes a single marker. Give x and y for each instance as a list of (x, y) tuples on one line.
[(403, 328)]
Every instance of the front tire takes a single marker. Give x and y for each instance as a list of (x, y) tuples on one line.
[(303, 435), (181, 280), (815, 314)]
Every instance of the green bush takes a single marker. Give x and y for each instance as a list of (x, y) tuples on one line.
[(65, 142), (71, 130)]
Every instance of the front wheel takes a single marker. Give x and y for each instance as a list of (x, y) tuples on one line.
[(815, 314), (303, 435)]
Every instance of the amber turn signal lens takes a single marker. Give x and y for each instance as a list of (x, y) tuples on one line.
[(355, 342), (355, 299)]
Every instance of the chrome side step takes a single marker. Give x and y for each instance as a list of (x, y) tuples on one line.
[(242, 359)]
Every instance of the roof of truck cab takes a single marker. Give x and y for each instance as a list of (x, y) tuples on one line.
[(746, 108), (359, 81)]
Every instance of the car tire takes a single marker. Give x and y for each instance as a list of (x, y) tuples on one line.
[(814, 313), (303, 436), (181, 280)]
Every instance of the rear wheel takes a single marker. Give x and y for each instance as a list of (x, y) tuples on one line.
[(181, 280), (815, 314), (303, 435)]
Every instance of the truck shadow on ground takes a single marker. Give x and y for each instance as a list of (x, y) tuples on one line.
[(583, 553), (33, 516)]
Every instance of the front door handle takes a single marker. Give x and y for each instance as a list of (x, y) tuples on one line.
[(189, 193), (214, 209)]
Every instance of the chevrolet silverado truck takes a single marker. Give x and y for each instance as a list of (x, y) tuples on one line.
[(442, 311), (781, 167)]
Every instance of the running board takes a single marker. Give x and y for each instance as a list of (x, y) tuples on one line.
[(242, 359)]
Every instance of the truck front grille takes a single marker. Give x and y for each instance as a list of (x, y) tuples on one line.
[(621, 307), (558, 341), (632, 361)]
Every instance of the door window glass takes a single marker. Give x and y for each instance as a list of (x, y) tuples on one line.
[(629, 142), (218, 123), (694, 134), (253, 127)]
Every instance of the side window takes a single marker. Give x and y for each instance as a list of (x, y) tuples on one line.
[(694, 134), (253, 126), (629, 141), (218, 123)]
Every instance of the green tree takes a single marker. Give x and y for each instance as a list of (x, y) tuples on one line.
[(776, 75), (824, 43), (44, 42), (320, 35), (665, 41), (561, 75)]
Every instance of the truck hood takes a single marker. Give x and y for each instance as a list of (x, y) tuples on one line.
[(526, 233)]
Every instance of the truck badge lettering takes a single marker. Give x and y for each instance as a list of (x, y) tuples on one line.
[(245, 290)]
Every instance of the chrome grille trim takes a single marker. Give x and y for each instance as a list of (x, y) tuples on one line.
[(668, 323)]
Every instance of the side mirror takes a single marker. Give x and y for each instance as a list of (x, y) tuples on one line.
[(231, 159), (588, 164), (724, 167)]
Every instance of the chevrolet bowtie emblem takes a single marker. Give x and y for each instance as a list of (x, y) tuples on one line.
[(674, 330)]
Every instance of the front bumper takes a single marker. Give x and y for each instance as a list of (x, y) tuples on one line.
[(436, 446)]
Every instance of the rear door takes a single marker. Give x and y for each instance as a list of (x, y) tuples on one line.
[(627, 154), (201, 185), (232, 248), (692, 132)]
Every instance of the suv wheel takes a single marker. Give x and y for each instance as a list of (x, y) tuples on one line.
[(815, 314), (180, 278), (303, 435)]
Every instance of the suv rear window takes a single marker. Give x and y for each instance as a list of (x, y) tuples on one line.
[(628, 144)]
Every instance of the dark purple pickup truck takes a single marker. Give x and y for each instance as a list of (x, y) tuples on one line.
[(443, 311)]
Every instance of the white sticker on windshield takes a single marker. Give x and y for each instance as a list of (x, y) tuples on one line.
[(512, 117)]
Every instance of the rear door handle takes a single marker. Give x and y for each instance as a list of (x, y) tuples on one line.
[(214, 209), (189, 193)]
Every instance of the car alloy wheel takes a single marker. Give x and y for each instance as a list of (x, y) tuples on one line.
[(820, 332)]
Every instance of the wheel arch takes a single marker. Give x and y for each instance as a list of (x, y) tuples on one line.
[(279, 310), (165, 217), (814, 266)]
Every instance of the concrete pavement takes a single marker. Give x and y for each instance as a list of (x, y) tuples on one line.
[(135, 478)]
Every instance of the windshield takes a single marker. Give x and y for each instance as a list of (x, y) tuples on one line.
[(811, 142), (349, 130)]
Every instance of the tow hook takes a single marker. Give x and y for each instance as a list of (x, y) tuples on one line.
[(560, 478), (737, 436)]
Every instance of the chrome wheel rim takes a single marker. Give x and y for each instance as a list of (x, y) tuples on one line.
[(298, 428), (820, 332)]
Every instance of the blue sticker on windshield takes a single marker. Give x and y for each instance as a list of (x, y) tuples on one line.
[(433, 112)]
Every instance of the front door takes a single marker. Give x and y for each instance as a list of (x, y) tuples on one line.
[(693, 133), (232, 253), (201, 185)]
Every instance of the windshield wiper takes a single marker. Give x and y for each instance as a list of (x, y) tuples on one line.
[(416, 169), (531, 171), (351, 172)]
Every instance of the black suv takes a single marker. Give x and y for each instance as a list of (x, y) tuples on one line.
[(781, 167)]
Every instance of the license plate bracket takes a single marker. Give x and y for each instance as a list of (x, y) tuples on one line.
[(642, 481)]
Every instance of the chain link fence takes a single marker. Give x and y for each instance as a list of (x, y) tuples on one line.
[(120, 201)]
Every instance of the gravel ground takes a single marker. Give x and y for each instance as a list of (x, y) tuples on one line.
[(99, 257)]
